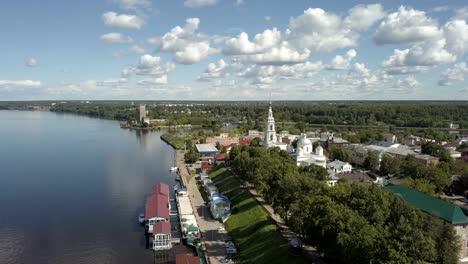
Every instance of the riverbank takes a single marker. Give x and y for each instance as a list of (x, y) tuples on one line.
[(255, 234)]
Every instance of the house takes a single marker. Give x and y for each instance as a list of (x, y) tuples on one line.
[(426, 160), (332, 180), (157, 210), (163, 190), (162, 236), (255, 134), (411, 140), (338, 166), (220, 158), (455, 154), (220, 207), (336, 141), (210, 189), (206, 151), (461, 140), (446, 211)]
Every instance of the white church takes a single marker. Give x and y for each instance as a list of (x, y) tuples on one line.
[(303, 155)]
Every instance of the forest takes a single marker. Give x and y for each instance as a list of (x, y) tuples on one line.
[(420, 114), (348, 223)]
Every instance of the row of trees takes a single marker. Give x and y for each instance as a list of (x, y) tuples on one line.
[(252, 114), (348, 223)]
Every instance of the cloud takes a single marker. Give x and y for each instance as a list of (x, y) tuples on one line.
[(194, 52), (267, 18), (239, 2), (133, 4), (31, 62), (440, 9), (407, 25), (19, 84), (242, 45), (154, 81), (362, 17), (116, 38), (199, 3), (456, 34), (314, 32), (432, 46), (360, 69), (457, 73), (214, 70), (186, 43), (462, 13), (406, 84), (149, 66), (123, 20), (342, 62), (425, 54), (137, 49)]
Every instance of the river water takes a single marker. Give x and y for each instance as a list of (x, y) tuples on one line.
[(71, 188)]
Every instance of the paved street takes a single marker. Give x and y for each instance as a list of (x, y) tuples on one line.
[(213, 234)]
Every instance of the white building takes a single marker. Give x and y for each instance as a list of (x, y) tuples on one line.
[(270, 139), (305, 155), (338, 166)]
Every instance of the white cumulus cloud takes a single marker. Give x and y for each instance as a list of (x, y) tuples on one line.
[(457, 73), (342, 62), (406, 25), (123, 20), (31, 62)]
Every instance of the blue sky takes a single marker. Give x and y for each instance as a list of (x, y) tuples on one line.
[(233, 50)]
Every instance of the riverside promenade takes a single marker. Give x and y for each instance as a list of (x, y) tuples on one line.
[(213, 233)]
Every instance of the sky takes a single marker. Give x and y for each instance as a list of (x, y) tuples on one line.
[(233, 50)]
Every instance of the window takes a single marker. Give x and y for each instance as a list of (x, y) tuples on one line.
[(271, 127), (271, 137)]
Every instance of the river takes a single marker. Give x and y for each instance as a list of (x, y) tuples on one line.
[(71, 188)]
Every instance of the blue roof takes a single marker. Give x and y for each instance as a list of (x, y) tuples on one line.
[(218, 198)]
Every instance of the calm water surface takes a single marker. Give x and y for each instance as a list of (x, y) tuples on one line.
[(71, 188)]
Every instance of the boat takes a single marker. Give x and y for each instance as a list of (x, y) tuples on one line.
[(141, 218), (173, 169)]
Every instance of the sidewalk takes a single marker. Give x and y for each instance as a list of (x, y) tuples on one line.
[(213, 234)]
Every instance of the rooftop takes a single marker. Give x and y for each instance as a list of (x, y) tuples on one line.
[(447, 211), (336, 164), (160, 188), (206, 148), (187, 259), (162, 227), (157, 206)]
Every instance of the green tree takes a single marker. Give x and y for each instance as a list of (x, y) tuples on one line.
[(389, 165), (192, 156), (340, 153), (422, 185), (372, 161), (448, 245)]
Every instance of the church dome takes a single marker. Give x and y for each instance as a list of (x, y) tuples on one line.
[(304, 141)]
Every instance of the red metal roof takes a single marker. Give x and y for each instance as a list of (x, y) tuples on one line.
[(162, 228), (157, 206), (187, 259), (160, 188), (245, 141)]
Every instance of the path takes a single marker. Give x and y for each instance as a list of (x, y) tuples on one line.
[(309, 251), (213, 234)]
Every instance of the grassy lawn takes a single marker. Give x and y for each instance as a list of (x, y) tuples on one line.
[(254, 233)]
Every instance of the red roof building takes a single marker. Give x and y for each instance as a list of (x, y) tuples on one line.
[(187, 259), (162, 228), (220, 157), (157, 206), (245, 141), (160, 188)]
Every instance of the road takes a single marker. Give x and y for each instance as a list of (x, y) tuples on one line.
[(213, 234)]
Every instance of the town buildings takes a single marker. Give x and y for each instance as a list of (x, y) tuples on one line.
[(446, 211), (338, 167)]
